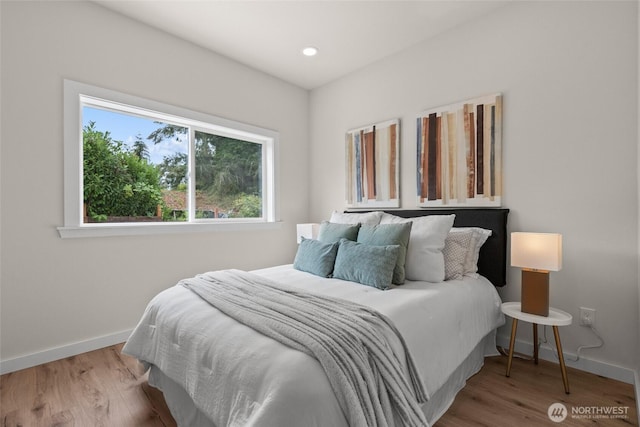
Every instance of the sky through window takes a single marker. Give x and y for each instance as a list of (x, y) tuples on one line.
[(126, 128)]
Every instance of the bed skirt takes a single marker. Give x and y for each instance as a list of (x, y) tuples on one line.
[(187, 415)]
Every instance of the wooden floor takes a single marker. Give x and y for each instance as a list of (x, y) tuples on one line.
[(105, 388), (99, 388), (523, 399)]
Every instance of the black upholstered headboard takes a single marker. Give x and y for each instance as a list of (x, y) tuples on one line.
[(493, 254)]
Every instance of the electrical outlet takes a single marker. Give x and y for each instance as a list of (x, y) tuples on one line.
[(587, 316)]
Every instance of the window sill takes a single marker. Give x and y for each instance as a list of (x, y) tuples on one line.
[(124, 229)]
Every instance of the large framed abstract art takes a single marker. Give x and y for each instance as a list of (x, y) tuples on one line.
[(372, 172), (459, 154)]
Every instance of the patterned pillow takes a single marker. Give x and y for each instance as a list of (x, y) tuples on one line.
[(389, 234), (456, 247), (480, 236), (365, 264), (331, 232), (316, 257)]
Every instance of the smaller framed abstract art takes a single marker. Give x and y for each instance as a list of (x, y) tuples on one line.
[(372, 172), (459, 154)]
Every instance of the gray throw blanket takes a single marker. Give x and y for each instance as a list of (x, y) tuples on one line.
[(347, 339)]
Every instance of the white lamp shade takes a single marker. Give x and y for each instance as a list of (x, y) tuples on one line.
[(536, 251), (308, 231)]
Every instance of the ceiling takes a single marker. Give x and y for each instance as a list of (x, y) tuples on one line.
[(270, 35)]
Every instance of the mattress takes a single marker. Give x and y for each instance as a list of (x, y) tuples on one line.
[(231, 375)]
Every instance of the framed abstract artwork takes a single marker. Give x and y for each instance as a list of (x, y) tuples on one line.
[(372, 172), (459, 154)]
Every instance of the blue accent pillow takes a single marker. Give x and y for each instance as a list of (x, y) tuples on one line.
[(316, 257), (331, 232), (389, 234), (366, 264)]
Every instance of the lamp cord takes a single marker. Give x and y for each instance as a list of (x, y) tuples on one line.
[(582, 347)]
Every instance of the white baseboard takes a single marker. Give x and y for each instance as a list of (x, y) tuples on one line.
[(637, 374), (584, 363), (29, 360)]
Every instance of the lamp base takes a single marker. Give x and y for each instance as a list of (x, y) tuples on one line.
[(535, 292)]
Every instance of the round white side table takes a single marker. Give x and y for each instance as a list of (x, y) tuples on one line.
[(556, 318)]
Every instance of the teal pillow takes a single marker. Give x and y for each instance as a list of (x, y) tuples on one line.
[(331, 232), (315, 257), (389, 234), (366, 264)]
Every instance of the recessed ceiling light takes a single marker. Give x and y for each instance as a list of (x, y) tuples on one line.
[(309, 51)]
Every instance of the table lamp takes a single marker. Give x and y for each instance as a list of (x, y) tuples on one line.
[(537, 254)]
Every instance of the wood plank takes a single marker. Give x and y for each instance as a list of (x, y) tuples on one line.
[(425, 158), (438, 156), (359, 168), (99, 388), (487, 150), (382, 160), (393, 162), (419, 159), (480, 149), (349, 168), (370, 163), (107, 388), (523, 399), (432, 159), (453, 155), (498, 152), (469, 140)]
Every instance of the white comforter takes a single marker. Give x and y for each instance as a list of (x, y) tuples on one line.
[(239, 377)]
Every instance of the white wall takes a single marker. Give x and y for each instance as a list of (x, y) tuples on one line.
[(55, 291), (637, 378), (568, 73)]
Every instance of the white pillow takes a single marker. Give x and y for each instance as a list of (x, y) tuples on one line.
[(369, 218), (425, 261), (480, 235), (456, 247)]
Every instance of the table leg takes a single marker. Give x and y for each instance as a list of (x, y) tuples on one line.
[(512, 343), (563, 368), (535, 343)]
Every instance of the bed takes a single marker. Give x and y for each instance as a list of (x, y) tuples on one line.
[(216, 371)]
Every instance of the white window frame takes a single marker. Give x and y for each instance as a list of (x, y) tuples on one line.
[(78, 95)]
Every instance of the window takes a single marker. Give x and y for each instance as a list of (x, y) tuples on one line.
[(134, 166)]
